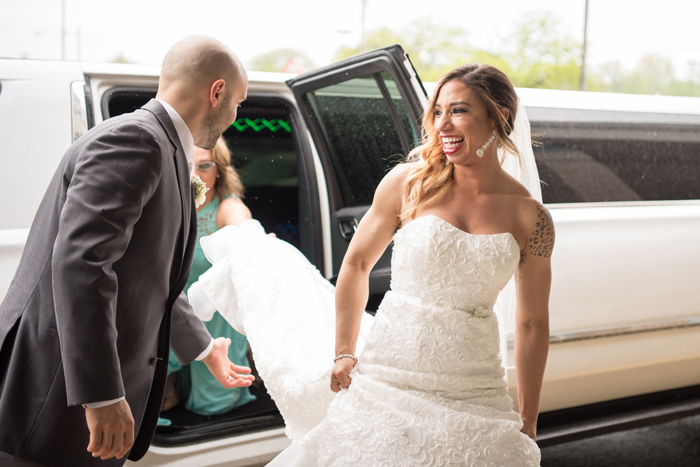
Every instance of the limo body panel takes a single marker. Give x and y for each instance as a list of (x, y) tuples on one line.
[(621, 176), (35, 131)]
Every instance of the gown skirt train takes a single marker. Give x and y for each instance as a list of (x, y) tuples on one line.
[(428, 388)]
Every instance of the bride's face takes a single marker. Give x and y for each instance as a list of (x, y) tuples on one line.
[(462, 122)]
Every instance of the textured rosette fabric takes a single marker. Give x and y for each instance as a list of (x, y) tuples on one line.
[(428, 389)]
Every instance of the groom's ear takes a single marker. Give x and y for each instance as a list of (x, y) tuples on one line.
[(216, 92)]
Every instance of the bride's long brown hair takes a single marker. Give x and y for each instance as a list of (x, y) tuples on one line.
[(430, 176)]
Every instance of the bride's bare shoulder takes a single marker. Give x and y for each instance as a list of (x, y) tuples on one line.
[(537, 222), (396, 176), (388, 194)]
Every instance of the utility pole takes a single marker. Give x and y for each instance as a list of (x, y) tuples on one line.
[(582, 84), (63, 29), (80, 43), (363, 42)]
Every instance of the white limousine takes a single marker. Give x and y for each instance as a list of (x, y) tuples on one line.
[(620, 173)]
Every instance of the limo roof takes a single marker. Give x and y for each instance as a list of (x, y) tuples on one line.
[(152, 70), (544, 105)]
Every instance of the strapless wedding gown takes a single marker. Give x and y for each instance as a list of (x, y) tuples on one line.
[(428, 388)]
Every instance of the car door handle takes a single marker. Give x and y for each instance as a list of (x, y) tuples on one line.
[(347, 227)]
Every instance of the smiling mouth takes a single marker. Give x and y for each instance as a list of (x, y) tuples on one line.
[(451, 144)]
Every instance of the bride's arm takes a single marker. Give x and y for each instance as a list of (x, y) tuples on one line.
[(373, 234), (533, 279)]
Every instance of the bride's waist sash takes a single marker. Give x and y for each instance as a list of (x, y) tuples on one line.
[(436, 305)]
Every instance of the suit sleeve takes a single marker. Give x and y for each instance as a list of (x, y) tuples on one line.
[(114, 177), (188, 335)]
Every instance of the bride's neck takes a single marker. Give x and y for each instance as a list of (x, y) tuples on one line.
[(479, 177)]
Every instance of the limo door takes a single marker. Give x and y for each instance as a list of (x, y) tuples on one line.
[(364, 114)]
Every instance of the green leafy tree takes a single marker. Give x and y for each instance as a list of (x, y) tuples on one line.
[(683, 88), (434, 49), (540, 55), (537, 54), (607, 78), (120, 58), (276, 60), (653, 75)]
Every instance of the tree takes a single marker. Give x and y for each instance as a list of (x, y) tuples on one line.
[(277, 60), (540, 55), (653, 75), (120, 58), (537, 54), (683, 88), (434, 49), (607, 78)]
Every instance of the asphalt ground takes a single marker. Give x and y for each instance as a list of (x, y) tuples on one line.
[(672, 444)]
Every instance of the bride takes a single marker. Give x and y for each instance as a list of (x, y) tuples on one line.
[(421, 384)]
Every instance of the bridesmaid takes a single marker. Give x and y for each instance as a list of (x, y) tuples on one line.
[(223, 206)]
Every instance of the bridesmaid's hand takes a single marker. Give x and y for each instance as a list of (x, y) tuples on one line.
[(340, 375)]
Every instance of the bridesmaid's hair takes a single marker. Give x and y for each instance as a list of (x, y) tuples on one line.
[(430, 175), (228, 183)]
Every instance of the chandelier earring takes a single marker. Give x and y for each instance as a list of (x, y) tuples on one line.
[(480, 152)]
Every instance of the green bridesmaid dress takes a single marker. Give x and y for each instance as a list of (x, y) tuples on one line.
[(205, 395)]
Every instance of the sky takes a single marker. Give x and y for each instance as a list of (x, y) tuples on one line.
[(143, 30)]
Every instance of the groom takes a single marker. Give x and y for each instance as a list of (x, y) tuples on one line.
[(86, 324)]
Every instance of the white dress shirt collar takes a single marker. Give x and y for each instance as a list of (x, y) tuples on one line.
[(183, 132)]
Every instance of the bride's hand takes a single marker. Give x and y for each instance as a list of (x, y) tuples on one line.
[(530, 428), (340, 375)]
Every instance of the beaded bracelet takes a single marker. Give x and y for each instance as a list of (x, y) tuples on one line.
[(346, 355)]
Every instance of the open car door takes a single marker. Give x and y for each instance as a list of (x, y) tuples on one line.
[(364, 114)]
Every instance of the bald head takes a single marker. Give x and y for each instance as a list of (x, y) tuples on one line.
[(205, 83), (197, 61)]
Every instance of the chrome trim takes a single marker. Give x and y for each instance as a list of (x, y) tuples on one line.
[(79, 117), (611, 331), (623, 204)]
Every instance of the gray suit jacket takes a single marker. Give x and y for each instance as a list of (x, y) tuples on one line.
[(87, 317)]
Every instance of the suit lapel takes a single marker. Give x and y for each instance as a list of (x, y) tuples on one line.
[(180, 160)]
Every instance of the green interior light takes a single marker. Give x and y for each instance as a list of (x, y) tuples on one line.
[(260, 124)]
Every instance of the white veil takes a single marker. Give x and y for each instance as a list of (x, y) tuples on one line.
[(524, 170)]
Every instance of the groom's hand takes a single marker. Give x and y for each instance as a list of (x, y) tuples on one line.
[(223, 370), (111, 430)]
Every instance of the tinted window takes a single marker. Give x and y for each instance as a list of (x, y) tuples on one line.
[(586, 164), (264, 154), (366, 133)]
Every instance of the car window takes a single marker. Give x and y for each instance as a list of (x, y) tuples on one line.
[(591, 165), (264, 154), (360, 127)]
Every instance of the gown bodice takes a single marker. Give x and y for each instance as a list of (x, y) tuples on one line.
[(444, 266)]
